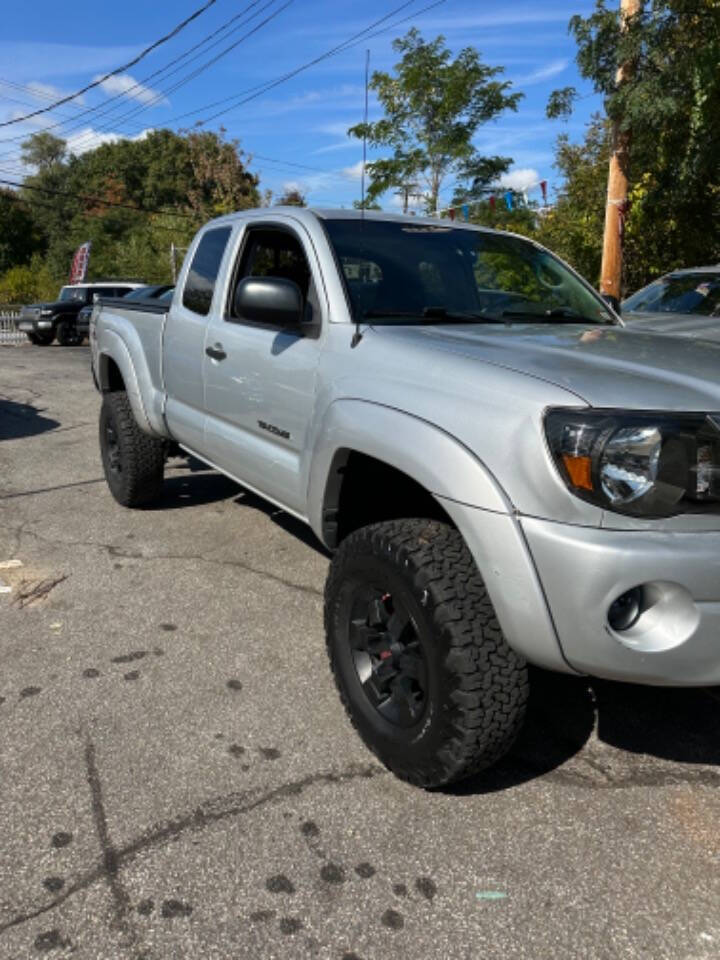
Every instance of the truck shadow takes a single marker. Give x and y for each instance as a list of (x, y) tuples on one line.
[(573, 724), (22, 420), (199, 485)]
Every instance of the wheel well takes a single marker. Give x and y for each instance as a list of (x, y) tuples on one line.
[(362, 490), (110, 376)]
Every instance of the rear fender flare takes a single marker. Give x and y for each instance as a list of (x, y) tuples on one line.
[(113, 347)]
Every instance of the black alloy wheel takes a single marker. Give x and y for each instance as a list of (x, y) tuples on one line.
[(387, 654)]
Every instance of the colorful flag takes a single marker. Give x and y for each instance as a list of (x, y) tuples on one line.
[(465, 212), (509, 199), (543, 187), (492, 202), (79, 267)]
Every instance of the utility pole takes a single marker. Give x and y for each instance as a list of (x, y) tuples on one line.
[(616, 208)]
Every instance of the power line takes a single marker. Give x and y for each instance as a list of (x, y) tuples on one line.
[(163, 92), (103, 109), (49, 206), (100, 200), (257, 90), (112, 73)]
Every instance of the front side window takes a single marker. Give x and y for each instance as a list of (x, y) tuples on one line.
[(201, 277), (273, 253), (400, 272), (695, 293)]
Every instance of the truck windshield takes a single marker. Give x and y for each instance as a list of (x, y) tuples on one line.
[(404, 273), (73, 293), (697, 293)]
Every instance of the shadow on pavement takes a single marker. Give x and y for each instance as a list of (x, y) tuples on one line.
[(22, 420), (202, 485), (666, 724)]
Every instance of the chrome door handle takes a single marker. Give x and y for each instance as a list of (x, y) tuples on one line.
[(216, 352)]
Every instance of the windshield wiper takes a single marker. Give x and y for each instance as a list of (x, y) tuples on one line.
[(555, 315)]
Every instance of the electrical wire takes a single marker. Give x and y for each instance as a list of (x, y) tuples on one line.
[(100, 200), (112, 73)]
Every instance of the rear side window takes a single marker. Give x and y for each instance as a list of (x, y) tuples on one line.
[(200, 281)]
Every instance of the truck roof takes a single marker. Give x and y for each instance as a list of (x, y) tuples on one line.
[(325, 213)]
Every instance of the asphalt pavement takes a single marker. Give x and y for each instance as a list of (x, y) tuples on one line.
[(178, 778)]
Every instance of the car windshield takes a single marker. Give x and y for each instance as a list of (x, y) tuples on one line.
[(697, 293), (73, 293), (400, 272)]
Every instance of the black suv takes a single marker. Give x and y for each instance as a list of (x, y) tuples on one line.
[(43, 322)]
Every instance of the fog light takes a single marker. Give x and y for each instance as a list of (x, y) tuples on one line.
[(625, 611)]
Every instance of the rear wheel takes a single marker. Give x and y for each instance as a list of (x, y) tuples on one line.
[(419, 659), (67, 334), (133, 461)]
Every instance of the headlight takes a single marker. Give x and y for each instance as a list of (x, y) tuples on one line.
[(644, 464), (46, 313)]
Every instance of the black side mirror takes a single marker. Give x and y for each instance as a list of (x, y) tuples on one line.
[(272, 300)]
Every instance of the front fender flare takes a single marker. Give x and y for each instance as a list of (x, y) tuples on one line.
[(430, 456)]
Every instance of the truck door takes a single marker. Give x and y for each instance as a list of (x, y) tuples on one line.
[(259, 378), (184, 341)]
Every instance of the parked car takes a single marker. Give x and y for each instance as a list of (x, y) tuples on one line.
[(43, 322), (145, 292), (503, 472), (684, 302)]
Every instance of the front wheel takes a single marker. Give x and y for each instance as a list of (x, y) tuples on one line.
[(40, 339), (419, 659), (67, 334), (133, 461)]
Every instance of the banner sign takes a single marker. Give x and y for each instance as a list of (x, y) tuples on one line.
[(78, 270)]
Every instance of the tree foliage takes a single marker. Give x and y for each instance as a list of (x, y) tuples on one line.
[(292, 197), (131, 198), (433, 107), (669, 101)]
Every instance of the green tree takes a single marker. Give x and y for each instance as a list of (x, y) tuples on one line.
[(573, 226), (42, 150), (133, 198), (19, 238), (291, 197), (433, 107), (670, 102)]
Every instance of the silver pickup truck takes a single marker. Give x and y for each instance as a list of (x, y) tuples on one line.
[(504, 473)]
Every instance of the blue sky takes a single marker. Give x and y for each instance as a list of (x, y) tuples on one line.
[(296, 131)]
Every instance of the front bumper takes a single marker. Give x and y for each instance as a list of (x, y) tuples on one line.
[(676, 641), (31, 325)]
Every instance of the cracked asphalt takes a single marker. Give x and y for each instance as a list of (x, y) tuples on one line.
[(178, 779)]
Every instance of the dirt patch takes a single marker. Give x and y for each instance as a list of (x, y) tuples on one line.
[(30, 586)]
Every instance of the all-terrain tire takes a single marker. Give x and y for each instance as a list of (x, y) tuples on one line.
[(476, 691), (67, 334), (133, 461), (40, 339)]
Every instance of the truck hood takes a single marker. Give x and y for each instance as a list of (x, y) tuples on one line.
[(57, 306), (603, 366), (681, 324)]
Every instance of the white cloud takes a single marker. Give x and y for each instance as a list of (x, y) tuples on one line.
[(89, 139), (127, 86), (354, 172), (551, 69), (520, 179)]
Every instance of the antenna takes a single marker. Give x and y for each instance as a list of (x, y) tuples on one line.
[(357, 336), (364, 153)]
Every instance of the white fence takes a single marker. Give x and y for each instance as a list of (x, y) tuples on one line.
[(8, 329)]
